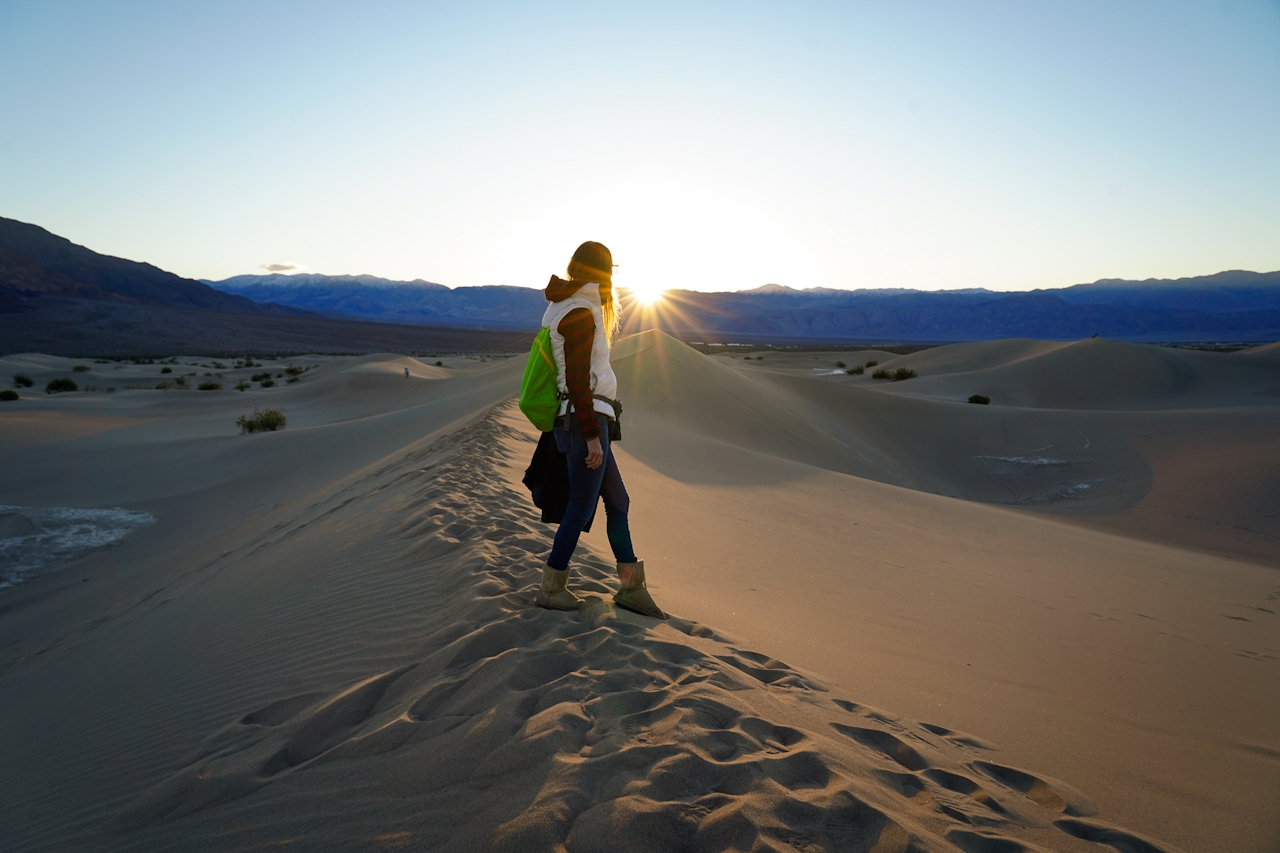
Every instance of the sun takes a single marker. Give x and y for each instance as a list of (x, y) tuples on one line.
[(645, 294)]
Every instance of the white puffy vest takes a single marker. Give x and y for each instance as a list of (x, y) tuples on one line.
[(602, 379)]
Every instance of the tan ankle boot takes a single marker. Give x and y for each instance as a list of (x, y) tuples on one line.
[(553, 594), (632, 594)]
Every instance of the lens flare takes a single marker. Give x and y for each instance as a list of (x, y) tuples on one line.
[(645, 295)]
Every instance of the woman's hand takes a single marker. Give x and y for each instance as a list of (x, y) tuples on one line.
[(595, 453)]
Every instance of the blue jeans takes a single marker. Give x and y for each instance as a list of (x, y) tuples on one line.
[(585, 488)]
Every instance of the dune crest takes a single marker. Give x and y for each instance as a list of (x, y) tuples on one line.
[(522, 729)]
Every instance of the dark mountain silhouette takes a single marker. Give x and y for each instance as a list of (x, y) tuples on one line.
[(60, 298), (36, 266), (1234, 305), (371, 298)]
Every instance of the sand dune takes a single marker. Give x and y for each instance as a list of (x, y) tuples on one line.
[(326, 640)]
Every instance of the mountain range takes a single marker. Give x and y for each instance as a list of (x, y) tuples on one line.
[(36, 265), (1234, 305), (63, 299), (54, 293)]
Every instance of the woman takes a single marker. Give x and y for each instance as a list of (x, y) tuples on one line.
[(582, 319)]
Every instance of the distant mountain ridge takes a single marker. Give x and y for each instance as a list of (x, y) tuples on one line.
[(1235, 304), (36, 265), (369, 297)]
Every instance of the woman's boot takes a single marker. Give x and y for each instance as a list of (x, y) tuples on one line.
[(553, 594), (632, 594)]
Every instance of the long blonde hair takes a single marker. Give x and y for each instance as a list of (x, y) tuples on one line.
[(593, 263)]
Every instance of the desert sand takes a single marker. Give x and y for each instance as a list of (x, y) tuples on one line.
[(900, 622)]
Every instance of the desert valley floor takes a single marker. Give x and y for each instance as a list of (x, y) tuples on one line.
[(900, 621)]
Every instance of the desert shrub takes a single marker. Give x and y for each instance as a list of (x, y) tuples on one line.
[(208, 374), (279, 376), (439, 364), (258, 377), (880, 374), (980, 399), (217, 365), (81, 368), (267, 382), (902, 373), (111, 389), (292, 379), (856, 370), (89, 389), (62, 383), (294, 371), (163, 386), (243, 386), (267, 420), (8, 394), (209, 386), (841, 364), (100, 361), (872, 363), (166, 370), (22, 380)]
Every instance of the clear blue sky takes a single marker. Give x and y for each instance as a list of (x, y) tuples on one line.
[(1008, 145)]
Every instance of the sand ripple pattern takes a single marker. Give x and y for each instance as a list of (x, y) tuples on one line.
[(519, 729)]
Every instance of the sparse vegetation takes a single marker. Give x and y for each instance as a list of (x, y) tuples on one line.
[(856, 370), (209, 386), (258, 377), (294, 371), (896, 376), (89, 389), (267, 382), (267, 420), (293, 379), (243, 386), (439, 364), (166, 370), (81, 368), (841, 364), (872, 363), (59, 385), (111, 389), (163, 386), (22, 380), (217, 365), (8, 394), (980, 399)]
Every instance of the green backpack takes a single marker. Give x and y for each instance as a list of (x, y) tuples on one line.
[(539, 394)]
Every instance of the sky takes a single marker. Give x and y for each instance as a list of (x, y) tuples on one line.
[(711, 146)]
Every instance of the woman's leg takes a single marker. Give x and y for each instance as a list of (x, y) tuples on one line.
[(584, 491), (616, 506)]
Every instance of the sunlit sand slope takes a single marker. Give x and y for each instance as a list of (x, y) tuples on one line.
[(327, 640), (369, 671), (1172, 446)]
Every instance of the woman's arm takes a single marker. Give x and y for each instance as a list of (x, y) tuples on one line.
[(579, 330)]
